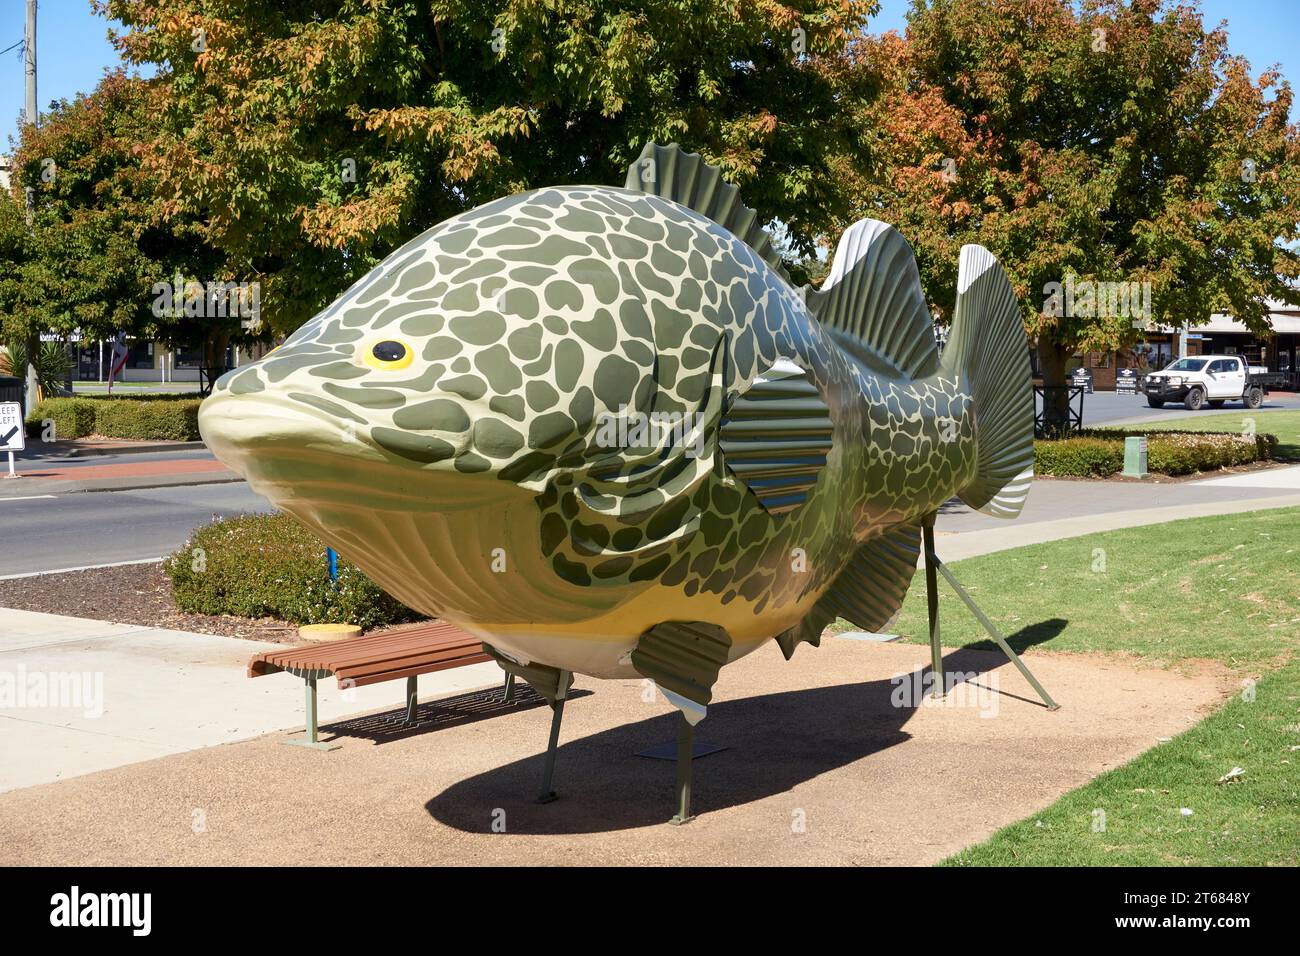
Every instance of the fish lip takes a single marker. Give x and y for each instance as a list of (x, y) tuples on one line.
[(291, 453)]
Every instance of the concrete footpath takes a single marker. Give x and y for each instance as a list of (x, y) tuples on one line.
[(1059, 509), (77, 696)]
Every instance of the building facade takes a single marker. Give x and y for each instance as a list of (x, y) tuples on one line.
[(1279, 350)]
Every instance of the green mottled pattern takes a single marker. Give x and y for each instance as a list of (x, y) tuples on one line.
[(536, 315)]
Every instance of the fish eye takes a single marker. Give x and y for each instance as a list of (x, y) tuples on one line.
[(387, 354)]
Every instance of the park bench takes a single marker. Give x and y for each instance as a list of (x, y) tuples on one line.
[(373, 659)]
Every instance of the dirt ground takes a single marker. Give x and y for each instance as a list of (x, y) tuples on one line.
[(829, 760), (134, 594)]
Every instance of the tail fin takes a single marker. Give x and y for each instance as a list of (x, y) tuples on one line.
[(987, 343)]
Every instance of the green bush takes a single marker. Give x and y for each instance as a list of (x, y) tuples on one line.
[(157, 418), (1099, 453), (72, 417), (269, 566), (1083, 457)]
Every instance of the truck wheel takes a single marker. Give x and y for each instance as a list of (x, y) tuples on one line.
[(1195, 400), (1155, 402), (1254, 397), (1217, 402)]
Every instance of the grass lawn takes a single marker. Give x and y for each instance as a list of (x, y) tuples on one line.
[(1254, 821), (1284, 424), (1225, 587)]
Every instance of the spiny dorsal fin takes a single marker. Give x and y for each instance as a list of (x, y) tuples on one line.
[(671, 172), (873, 295)]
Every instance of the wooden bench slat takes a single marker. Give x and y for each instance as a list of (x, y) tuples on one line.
[(334, 659), (367, 669), (415, 671), (381, 657)]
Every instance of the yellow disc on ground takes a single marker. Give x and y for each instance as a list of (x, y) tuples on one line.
[(328, 632)]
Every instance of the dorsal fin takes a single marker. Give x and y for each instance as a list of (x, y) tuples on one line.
[(671, 172), (873, 296)]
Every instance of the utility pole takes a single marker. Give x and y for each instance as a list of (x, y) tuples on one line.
[(29, 70)]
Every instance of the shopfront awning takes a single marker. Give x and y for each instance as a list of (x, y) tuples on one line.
[(1284, 318)]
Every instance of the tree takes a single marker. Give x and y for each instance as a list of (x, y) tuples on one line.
[(312, 138), (1086, 142), (98, 244)]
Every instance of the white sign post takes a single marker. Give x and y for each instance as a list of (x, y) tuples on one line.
[(12, 433)]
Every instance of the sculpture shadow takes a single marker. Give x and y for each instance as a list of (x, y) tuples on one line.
[(432, 716), (1024, 638), (774, 741)]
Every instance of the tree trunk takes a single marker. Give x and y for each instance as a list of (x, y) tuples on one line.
[(33, 352), (214, 357), (1053, 359)]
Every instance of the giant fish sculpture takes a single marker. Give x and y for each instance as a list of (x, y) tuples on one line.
[(602, 430)]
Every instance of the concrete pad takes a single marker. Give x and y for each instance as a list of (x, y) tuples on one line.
[(831, 759), (1268, 478), (132, 693)]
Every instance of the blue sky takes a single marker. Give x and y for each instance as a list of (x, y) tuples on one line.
[(72, 48)]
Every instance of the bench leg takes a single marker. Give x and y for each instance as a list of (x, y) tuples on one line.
[(310, 740), (412, 695), (509, 693), (557, 714), (685, 751)]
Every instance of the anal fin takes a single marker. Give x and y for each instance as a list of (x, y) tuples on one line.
[(868, 592)]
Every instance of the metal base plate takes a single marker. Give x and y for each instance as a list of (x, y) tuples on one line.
[(313, 744), (668, 751)]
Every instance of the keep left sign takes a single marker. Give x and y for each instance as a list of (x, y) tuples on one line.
[(12, 433)]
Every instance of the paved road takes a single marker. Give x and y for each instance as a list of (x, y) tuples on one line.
[(84, 528), (1107, 408), (37, 462)]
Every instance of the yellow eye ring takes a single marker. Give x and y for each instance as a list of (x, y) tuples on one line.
[(388, 355)]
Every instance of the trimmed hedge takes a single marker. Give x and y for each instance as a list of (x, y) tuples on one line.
[(169, 418), (1099, 453), (270, 566)]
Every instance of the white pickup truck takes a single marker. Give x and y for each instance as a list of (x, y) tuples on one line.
[(1207, 378)]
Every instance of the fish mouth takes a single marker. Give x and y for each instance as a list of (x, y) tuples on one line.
[(463, 547), (292, 454)]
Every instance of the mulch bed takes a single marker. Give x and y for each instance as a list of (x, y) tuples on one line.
[(132, 594)]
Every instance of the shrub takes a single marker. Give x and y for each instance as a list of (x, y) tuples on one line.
[(158, 418), (1100, 453), (1082, 457), (72, 417), (270, 566)]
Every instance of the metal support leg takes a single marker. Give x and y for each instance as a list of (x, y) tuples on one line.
[(412, 697), (310, 740), (509, 693), (938, 685), (557, 714), (994, 633), (685, 751)]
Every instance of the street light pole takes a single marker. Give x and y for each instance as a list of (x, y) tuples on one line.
[(29, 71)]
